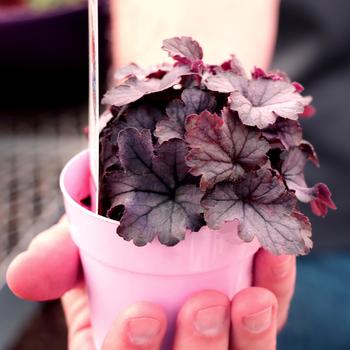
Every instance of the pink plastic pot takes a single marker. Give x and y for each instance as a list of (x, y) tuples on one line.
[(118, 273)]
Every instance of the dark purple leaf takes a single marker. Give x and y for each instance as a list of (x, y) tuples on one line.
[(109, 146), (293, 172), (162, 149), (156, 199), (264, 100), (309, 111), (298, 87), (323, 201), (264, 208), (108, 152), (135, 150), (133, 89), (233, 65), (226, 82), (133, 69), (259, 73), (222, 148), (192, 101), (142, 117), (310, 152), (306, 99), (139, 117), (130, 70), (258, 102), (183, 49), (197, 101), (158, 74), (287, 132), (173, 125)]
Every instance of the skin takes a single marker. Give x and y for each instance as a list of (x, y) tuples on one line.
[(51, 269), (223, 27)]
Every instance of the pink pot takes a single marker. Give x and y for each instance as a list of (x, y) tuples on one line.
[(118, 273)]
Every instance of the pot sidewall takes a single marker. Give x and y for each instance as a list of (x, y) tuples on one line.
[(119, 274)]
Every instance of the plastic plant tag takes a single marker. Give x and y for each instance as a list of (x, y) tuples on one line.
[(94, 101)]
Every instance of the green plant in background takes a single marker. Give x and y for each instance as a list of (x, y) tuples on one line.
[(46, 4)]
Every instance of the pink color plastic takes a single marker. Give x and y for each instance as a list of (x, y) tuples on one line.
[(118, 273)]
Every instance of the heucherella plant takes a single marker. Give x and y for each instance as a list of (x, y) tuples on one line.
[(190, 144)]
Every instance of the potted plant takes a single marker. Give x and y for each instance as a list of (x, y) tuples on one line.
[(200, 165)]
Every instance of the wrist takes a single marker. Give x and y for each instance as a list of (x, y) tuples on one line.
[(246, 28)]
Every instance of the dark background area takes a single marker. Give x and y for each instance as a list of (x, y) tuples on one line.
[(314, 48), (43, 110), (43, 61)]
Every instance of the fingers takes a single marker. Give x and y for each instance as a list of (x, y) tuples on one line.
[(253, 315), (204, 322), (76, 308), (141, 326), (277, 274), (48, 268)]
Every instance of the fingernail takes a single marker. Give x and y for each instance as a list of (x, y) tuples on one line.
[(212, 320), (142, 330), (282, 268), (259, 321)]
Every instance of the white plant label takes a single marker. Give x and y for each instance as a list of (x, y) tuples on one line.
[(94, 102)]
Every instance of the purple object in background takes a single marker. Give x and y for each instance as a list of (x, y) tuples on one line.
[(44, 55)]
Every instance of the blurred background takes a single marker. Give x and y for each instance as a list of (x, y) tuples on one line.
[(43, 111)]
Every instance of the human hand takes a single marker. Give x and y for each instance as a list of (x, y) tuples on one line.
[(246, 28), (50, 269)]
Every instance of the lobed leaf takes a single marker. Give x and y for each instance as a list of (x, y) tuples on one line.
[(293, 171), (139, 117), (259, 73), (157, 71), (197, 101), (264, 100), (234, 65), (226, 82), (142, 117), (167, 158), (152, 188), (259, 101), (192, 101), (309, 111), (172, 126), (131, 69), (183, 49), (222, 148), (264, 208), (287, 132), (133, 89), (323, 200)]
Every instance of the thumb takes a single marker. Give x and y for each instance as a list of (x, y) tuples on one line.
[(48, 268)]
